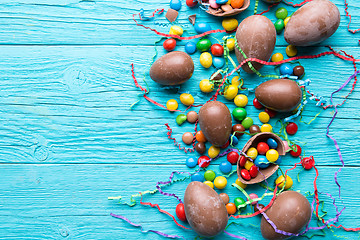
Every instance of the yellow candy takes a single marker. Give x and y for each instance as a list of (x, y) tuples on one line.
[(264, 117), (286, 20), (266, 128), (220, 182), (213, 151), (291, 51), (228, 2), (172, 104), (230, 92), (235, 81), (230, 24), (277, 57), (230, 44), (176, 30), (206, 59), (206, 86), (248, 164), (252, 152), (210, 184), (272, 155), (242, 185), (186, 99), (288, 184), (241, 100)]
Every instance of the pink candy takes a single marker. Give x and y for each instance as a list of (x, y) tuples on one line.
[(253, 196), (213, 4)]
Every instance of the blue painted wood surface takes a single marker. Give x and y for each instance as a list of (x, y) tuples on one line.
[(69, 139)]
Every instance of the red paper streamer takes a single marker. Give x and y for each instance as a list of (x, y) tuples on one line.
[(175, 142), (348, 15), (298, 4), (270, 6)]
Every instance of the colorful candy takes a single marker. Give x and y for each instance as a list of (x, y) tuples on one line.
[(230, 24), (191, 162), (286, 20), (172, 104), (272, 155), (261, 161), (238, 129), (262, 148), (188, 138), (279, 25), (191, 117), (203, 44), (297, 151), (190, 47), (254, 170), (191, 3), (252, 153), (200, 137), (213, 151), (248, 165), (218, 62), (242, 161), (254, 129), (217, 50), (237, 3), (298, 71), (239, 113), (264, 117), (230, 43), (281, 181), (197, 177), (203, 161), (286, 69), (252, 197), (206, 86), (277, 57), (180, 212), (232, 157), (231, 208), (210, 184), (180, 119), (241, 100), (291, 128), (240, 184), (220, 182), (202, 27), (186, 99), (169, 44), (247, 122), (291, 51), (200, 147), (230, 92), (257, 104), (224, 197), (209, 175), (206, 59), (176, 30), (225, 167), (272, 143), (281, 13), (266, 128), (175, 4)]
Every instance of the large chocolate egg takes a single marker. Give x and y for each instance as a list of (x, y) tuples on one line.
[(290, 212), (312, 23), (172, 69), (204, 209), (215, 122), (281, 95), (256, 36)]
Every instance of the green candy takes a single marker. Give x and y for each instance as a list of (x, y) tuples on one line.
[(203, 44), (281, 13), (239, 201), (209, 175), (239, 113), (180, 119), (279, 25), (247, 122)]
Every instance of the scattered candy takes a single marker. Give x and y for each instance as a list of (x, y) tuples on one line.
[(192, 117), (224, 197), (235, 81), (209, 175), (191, 162), (291, 128), (262, 148), (279, 25), (225, 167), (253, 196), (252, 153), (200, 137), (206, 86), (266, 128), (202, 27), (254, 129), (206, 60), (238, 202), (186, 99), (240, 184), (286, 69), (241, 100), (230, 44), (230, 92), (218, 62), (296, 153), (197, 177), (180, 119), (286, 20), (308, 162), (203, 161), (238, 129), (200, 147), (291, 51), (187, 138), (175, 4), (277, 57), (281, 13), (180, 212), (232, 157), (230, 24), (176, 30), (191, 3), (257, 104), (220, 182), (281, 180), (234, 140), (203, 44), (247, 122), (231, 208), (271, 113), (190, 47), (210, 184), (264, 117), (272, 155), (217, 50), (298, 71), (172, 104), (239, 113), (213, 151)]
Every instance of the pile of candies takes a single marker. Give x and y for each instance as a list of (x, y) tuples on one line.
[(221, 6)]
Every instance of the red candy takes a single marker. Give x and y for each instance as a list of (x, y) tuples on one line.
[(169, 44), (262, 148), (217, 50), (271, 113), (297, 153), (291, 128), (204, 161), (257, 104), (308, 162), (242, 161), (191, 3), (180, 212), (245, 174), (254, 170), (225, 145), (233, 157)]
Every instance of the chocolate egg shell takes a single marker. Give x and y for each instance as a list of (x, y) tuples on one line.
[(281, 95), (270, 170), (256, 36), (172, 69), (204, 209), (290, 212), (215, 122), (312, 23)]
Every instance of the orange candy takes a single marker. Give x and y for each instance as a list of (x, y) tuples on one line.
[(237, 3), (231, 208), (200, 137)]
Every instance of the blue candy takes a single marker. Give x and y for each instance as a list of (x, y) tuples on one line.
[(190, 47), (278, 161), (191, 162), (218, 62), (175, 4), (225, 167), (261, 161), (235, 141), (221, 1), (272, 143), (286, 69), (202, 27), (198, 177)]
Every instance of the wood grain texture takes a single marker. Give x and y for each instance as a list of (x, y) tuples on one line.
[(69, 139)]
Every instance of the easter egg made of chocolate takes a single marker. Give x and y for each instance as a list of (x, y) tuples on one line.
[(172, 69), (215, 122), (312, 23), (281, 95), (204, 209), (256, 37), (290, 212)]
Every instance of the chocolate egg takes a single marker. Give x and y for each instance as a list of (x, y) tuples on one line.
[(172, 69), (256, 36), (281, 95), (215, 122), (312, 23), (204, 209), (290, 212)]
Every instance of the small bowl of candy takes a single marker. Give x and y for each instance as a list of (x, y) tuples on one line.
[(225, 8), (264, 151)]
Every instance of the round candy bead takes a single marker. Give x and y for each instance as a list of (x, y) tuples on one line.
[(239, 202), (225, 167), (203, 161), (245, 174), (242, 161), (209, 175), (272, 143), (279, 25), (271, 113), (254, 170), (230, 24), (239, 183), (239, 113), (238, 129), (261, 162), (281, 13), (191, 3), (272, 155), (190, 47), (248, 165), (231, 208), (213, 151), (308, 162), (220, 182), (281, 181), (235, 81), (298, 71), (230, 43), (172, 105), (278, 161), (262, 148), (258, 207), (237, 3), (232, 157), (254, 129), (217, 50), (221, 1), (266, 128), (264, 117), (175, 4), (252, 153), (296, 153), (176, 30), (225, 145), (247, 122), (224, 197), (186, 99), (198, 177), (286, 20), (191, 162), (291, 128), (253, 196), (210, 184), (286, 69), (169, 44), (291, 51), (203, 44), (200, 147), (206, 60), (206, 86), (191, 117), (234, 140), (180, 212), (202, 27), (241, 100), (257, 104), (277, 57), (180, 119), (218, 62), (230, 92), (200, 137), (213, 4), (187, 138)]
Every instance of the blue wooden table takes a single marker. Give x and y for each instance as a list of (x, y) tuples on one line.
[(69, 139)]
